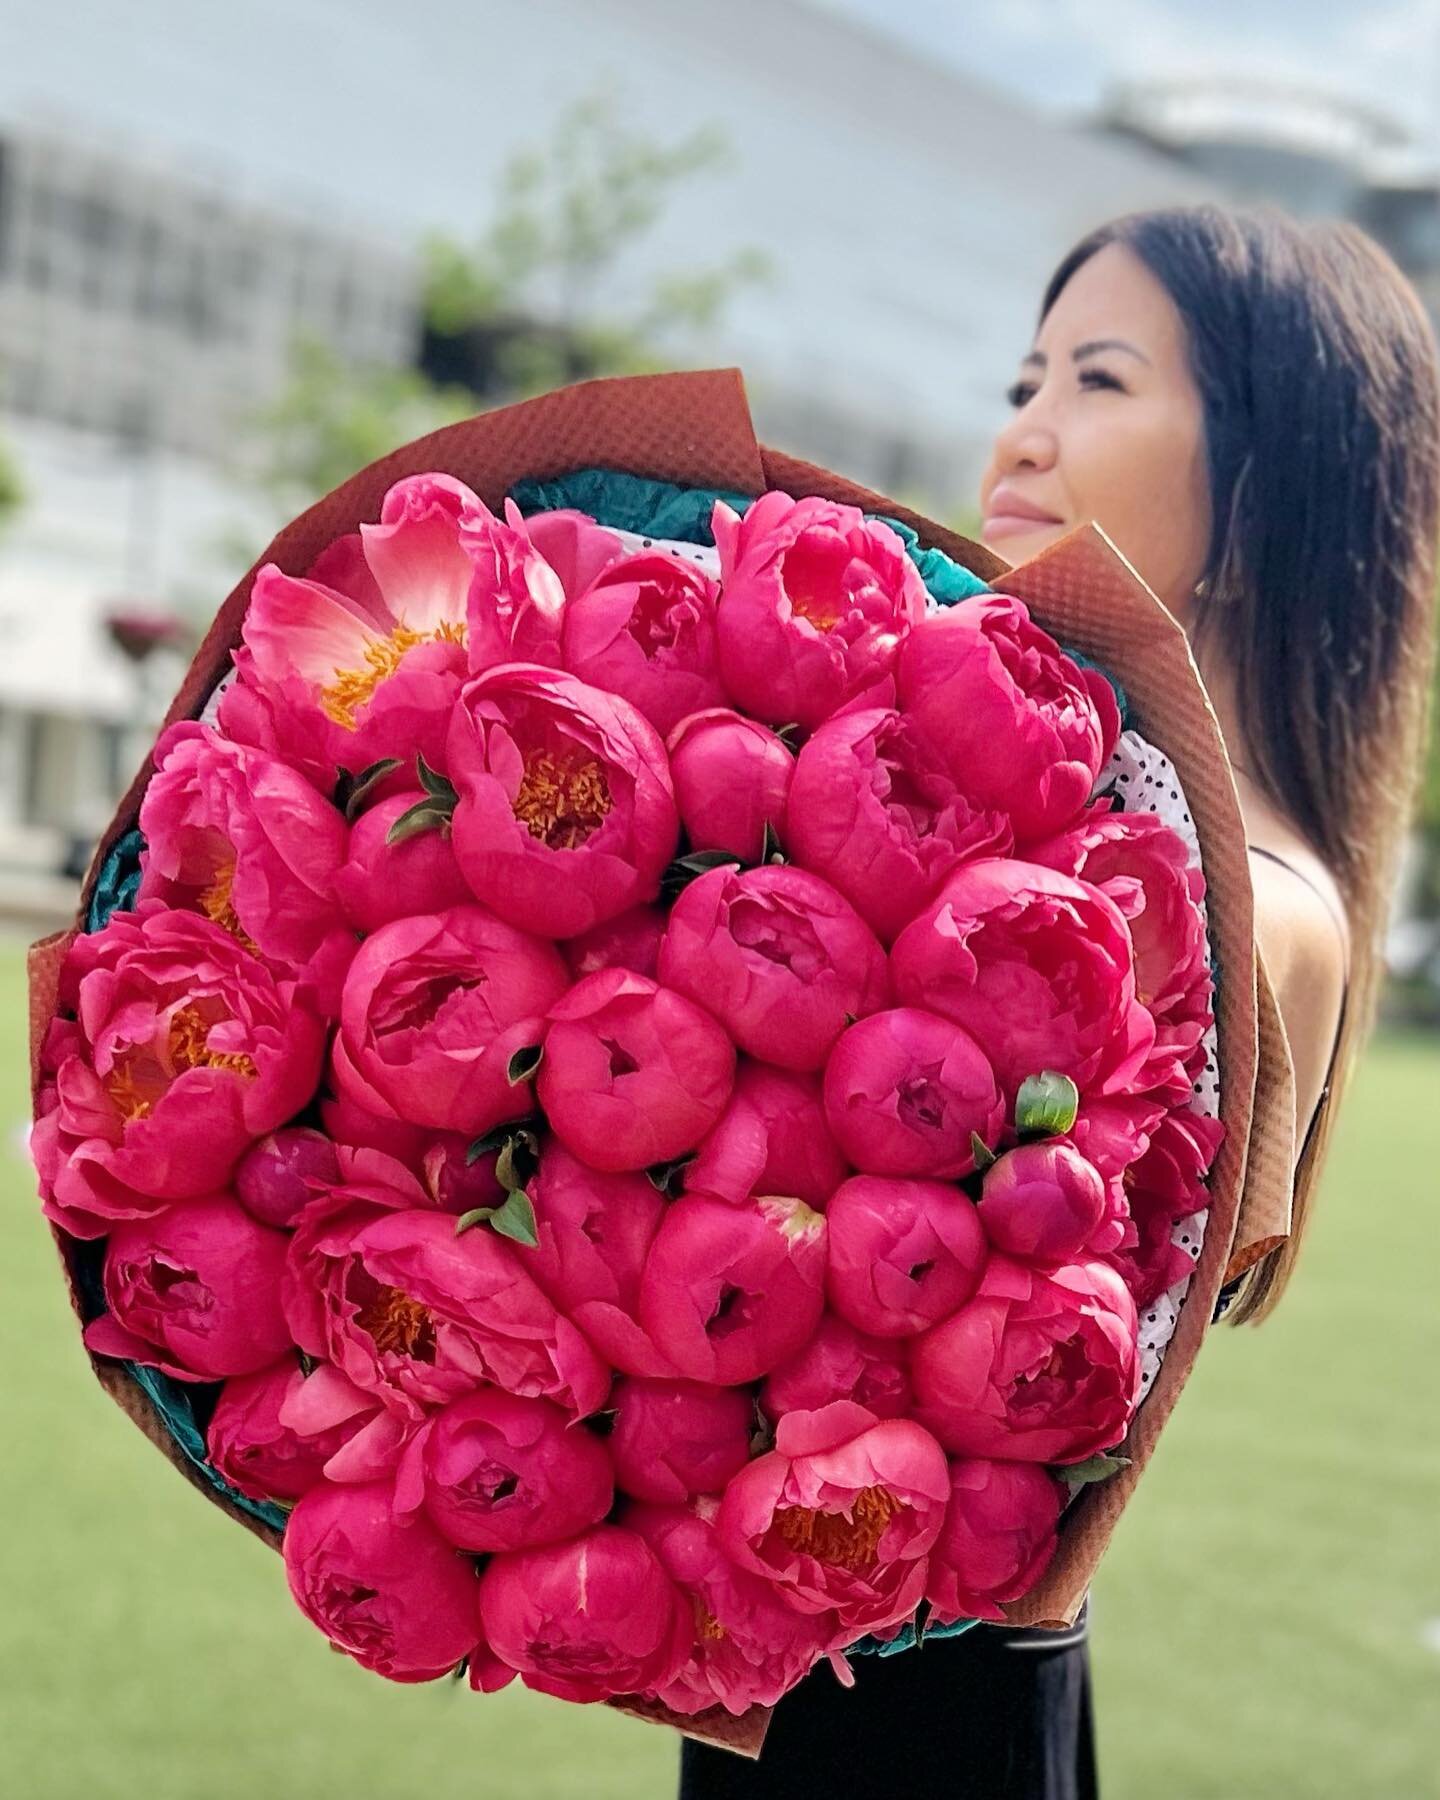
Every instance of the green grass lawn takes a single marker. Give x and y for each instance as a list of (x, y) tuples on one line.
[(1259, 1622)]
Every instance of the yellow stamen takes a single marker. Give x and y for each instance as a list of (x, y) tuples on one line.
[(822, 614), (137, 1079), (844, 1542), (351, 688), (217, 903), (396, 1322), (706, 1624), (563, 798)]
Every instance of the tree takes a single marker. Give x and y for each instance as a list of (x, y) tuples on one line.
[(532, 304)]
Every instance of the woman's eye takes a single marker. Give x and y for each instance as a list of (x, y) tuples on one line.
[(1019, 392)]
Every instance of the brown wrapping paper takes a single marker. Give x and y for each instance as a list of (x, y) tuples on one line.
[(695, 429)]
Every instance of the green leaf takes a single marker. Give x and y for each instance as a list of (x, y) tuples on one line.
[(1046, 1103), (680, 873), (458, 1673), (786, 733), (922, 1619), (523, 1064), (434, 783), (516, 1218), (770, 851), (1095, 1468), (982, 1153), (358, 788), (849, 1018), (307, 1362), (487, 1145), (427, 815), (664, 1175), (477, 1215)]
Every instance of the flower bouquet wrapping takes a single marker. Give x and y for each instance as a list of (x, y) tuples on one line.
[(658, 1077)]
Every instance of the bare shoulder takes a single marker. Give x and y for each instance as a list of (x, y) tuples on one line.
[(1305, 956)]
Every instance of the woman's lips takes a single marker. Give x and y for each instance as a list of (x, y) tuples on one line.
[(1010, 524)]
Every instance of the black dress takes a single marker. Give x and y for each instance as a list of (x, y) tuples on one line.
[(999, 1713)]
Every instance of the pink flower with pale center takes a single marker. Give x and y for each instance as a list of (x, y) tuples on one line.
[(378, 882), (729, 1292), (434, 1008), (732, 776), (251, 1442), (999, 1538), (750, 1647), (398, 1599), (1144, 866), (378, 1282), (840, 1363), (645, 628), (342, 676), (1039, 969), (632, 1073), (1022, 728), (566, 815), (595, 1231), (194, 1291), (875, 812), (179, 1050), (903, 1253), (672, 1439), (841, 1515), (772, 1138), (1044, 1203), (594, 1616), (815, 601), (904, 1091), (236, 835), (778, 956), (494, 1471), (1040, 1366)]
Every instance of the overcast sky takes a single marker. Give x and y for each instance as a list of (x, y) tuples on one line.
[(1064, 52)]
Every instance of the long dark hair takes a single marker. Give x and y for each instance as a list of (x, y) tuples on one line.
[(1320, 381)]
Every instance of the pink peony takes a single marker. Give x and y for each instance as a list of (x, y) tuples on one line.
[(1041, 1366), (250, 1442), (575, 547), (283, 1172), (594, 1616), (183, 1049), (1044, 1203), (399, 1599), (1037, 967), (840, 1363), (515, 608), (815, 601), (632, 1073), (194, 1291), (729, 1292), (341, 678), (236, 835), (595, 1231), (750, 1648), (904, 1091), (841, 1514), (433, 1010), (645, 629), (566, 815), (1144, 866), (873, 811), (1000, 1536), (772, 1138), (451, 1179), (378, 882), (672, 1439), (631, 940), (1022, 728), (731, 776), (327, 1408), (378, 1283), (494, 1471), (1165, 1184), (781, 959), (903, 1254)]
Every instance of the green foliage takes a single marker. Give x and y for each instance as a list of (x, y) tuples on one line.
[(12, 488), (527, 300)]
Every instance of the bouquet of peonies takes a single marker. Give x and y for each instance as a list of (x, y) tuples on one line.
[(640, 1083)]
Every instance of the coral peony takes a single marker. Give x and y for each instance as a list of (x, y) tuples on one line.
[(772, 1138), (731, 776), (672, 1439), (1000, 1536), (903, 1254)]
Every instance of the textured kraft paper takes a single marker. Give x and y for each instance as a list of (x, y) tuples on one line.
[(695, 429)]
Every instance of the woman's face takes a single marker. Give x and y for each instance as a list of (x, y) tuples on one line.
[(1108, 426)]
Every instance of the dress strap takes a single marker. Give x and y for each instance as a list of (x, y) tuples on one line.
[(1310, 881)]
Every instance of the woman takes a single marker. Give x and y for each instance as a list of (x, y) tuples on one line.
[(1250, 408)]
